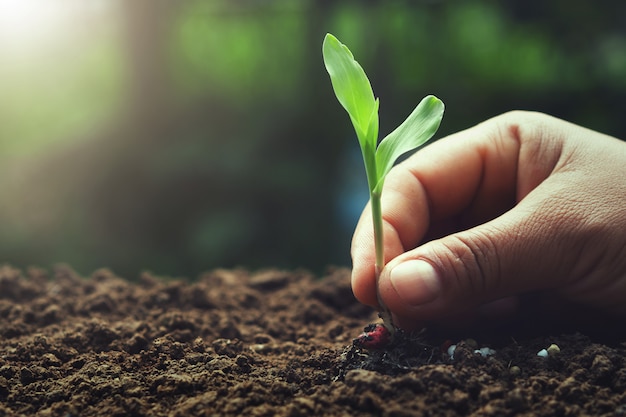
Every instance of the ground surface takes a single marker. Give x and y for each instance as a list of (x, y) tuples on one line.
[(264, 344)]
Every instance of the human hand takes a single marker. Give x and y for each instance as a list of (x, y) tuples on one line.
[(522, 202)]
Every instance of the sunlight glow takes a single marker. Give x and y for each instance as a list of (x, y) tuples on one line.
[(59, 70), (23, 22), (32, 25)]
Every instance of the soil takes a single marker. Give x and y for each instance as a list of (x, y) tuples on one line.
[(274, 343)]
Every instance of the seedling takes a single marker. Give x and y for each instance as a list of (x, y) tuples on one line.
[(354, 92)]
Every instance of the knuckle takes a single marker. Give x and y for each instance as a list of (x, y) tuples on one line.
[(474, 260)]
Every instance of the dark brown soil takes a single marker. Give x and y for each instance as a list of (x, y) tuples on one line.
[(268, 343)]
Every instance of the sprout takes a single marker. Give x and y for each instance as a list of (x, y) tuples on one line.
[(354, 92)]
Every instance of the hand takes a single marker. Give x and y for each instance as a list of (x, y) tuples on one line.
[(520, 203)]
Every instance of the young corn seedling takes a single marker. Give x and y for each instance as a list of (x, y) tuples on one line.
[(354, 92)]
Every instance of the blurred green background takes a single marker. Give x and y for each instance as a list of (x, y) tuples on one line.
[(180, 136)]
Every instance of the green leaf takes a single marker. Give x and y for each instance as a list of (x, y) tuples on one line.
[(416, 130), (353, 89), (372, 128)]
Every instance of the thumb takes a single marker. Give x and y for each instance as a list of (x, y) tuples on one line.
[(517, 252)]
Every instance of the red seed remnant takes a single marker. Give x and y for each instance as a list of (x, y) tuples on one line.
[(374, 336)]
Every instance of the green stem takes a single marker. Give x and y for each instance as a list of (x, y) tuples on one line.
[(369, 157), (377, 218)]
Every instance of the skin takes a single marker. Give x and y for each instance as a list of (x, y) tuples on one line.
[(521, 203)]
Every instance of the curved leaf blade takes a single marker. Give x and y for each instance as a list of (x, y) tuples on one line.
[(351, 86), (416, 130)]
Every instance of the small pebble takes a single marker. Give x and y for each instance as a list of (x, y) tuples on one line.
[(451, 350), (553, 349), (485, 351)]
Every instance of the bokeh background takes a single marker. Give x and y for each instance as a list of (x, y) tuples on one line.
[(180, 136)]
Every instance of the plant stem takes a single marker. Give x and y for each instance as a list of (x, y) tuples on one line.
[(369, 158), (377, 218)]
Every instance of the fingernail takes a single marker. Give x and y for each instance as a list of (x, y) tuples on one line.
[(416, 282)]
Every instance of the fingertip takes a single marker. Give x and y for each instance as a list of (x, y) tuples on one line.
[(409, 286), (363, 282), (412, 290), (415, 282)]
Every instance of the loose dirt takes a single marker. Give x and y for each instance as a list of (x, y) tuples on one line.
[(273, 343)]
